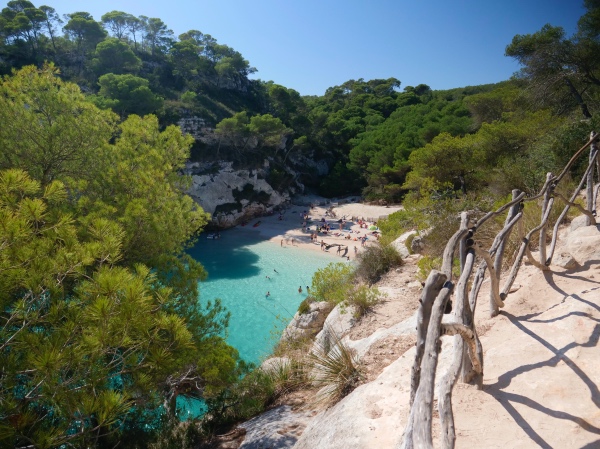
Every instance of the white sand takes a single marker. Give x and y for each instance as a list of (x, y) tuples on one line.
[(289, 230)]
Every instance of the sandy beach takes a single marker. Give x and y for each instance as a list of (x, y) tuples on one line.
[(286, 228)]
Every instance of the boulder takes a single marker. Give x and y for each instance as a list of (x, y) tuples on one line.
[(565, 260), (278, 428), (417, 245), (578, 222), (307, 323), (583, 244), (400, 244), (338, 322)]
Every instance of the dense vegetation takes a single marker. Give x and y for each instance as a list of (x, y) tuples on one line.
[(365, 131), (101, 328)]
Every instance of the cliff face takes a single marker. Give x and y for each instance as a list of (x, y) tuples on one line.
[(232, 196)]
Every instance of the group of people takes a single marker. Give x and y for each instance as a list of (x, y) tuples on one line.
[(299, 288)]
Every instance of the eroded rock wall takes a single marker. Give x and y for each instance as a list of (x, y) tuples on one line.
[(232, 196)]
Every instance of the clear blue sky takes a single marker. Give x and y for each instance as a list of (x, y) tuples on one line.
[(310, 45)]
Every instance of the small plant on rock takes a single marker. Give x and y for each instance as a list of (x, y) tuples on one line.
[(335, 369), (363, 298), (304, 306), (377, 260)]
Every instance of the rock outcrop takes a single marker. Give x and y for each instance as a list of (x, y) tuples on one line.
[(232, 196), (309, 323)]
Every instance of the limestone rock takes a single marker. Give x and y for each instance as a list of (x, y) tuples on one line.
[(363, 345), (278, 428), (231, 196), (307, 323), (565, 260), (374, 414), (417, 245), (275, 364), (584, 244), (336, 325), (578, 222), (400, 244)]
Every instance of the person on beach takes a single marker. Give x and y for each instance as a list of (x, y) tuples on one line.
[(355, 249), (300, 289), (281, 242), (292, 242)]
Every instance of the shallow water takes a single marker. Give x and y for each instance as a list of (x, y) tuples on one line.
[(242, 267)]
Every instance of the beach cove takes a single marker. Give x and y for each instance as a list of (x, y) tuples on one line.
[(276, 256)]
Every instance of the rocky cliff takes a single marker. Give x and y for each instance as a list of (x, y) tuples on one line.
[(541, 379), (232, 196)]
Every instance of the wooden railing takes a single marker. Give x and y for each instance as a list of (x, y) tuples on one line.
[(467, 360)]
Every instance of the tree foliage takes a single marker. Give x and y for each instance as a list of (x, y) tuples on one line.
[(128, 94), (101, 328), (563, 71)]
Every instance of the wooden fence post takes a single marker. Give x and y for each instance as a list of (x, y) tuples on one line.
[(591, 206), (461, 314)]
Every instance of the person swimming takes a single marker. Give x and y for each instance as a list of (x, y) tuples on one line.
[(275, 271), (300, 289), (268, 294)]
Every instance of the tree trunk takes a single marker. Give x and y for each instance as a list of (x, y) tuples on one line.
[(433, 285), (578, 98)]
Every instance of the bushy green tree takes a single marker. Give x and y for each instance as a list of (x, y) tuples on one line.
[(252, 135), (85, 345), (101, 328), (447, 160), (49, 129), (129, 94), (563, 71), (115, 56)]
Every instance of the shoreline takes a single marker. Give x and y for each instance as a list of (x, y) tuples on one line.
[(288, 231)]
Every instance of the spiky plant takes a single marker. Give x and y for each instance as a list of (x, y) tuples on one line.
[(335, 370)]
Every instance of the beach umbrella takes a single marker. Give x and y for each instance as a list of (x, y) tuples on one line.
[(372, 228)]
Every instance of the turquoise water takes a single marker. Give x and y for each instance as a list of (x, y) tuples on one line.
[(242, 267)]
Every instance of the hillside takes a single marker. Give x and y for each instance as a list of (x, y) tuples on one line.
[(541, 375)]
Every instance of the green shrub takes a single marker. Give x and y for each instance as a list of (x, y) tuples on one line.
[(395, 225), (286, 376), (332, 283), (426, 264), (248, 397), (363, 299), (375, 261), (304, 306)]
